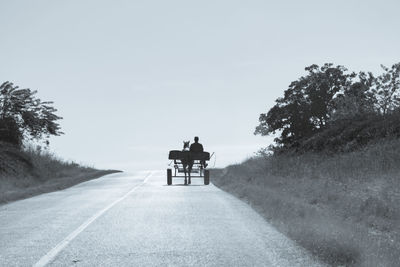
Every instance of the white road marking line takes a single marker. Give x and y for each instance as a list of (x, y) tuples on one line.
[(50, 256)]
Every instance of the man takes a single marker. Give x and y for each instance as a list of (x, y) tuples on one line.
[(197, 147)]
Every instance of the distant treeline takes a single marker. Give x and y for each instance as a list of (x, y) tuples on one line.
[(331, 109)]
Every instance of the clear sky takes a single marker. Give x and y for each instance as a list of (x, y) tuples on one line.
[(133, 79)]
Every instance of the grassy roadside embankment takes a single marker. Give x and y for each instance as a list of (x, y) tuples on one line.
[(344, 208), (25, 173)]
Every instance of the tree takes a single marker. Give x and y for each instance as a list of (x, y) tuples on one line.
[(356, 100), (387, 89), (24, 116), (306, 105)]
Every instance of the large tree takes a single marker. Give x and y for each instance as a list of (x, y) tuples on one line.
[(24, 116), (306, 105)]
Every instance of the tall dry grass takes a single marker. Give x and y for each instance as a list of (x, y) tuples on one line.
[(32, 171), (344, 208)]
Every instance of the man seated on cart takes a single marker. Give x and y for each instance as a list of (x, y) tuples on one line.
[(197, 147)]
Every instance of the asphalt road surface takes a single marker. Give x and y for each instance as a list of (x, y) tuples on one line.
[(137, 220)]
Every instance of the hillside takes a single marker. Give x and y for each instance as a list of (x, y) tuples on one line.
[(25, 173), (343, 207)]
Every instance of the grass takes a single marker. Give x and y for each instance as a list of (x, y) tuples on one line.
[(344, 208), (29, 172)]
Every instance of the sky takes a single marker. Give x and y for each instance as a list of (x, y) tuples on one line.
[(133, 79)]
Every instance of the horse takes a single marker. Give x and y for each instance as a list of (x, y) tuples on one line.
[(187, 162)]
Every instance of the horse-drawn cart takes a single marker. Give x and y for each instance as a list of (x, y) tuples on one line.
[(189, 163)]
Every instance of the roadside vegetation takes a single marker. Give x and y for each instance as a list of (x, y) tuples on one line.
[(27, 169), (331, 180)]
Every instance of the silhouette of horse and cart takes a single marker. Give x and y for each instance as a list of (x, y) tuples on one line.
[(188, 162)]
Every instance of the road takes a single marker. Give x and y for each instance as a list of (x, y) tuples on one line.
[(137, 220)]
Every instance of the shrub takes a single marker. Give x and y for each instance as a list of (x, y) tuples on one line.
[(10, 132)]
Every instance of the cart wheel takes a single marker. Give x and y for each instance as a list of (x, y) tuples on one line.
[(169, 176), (206, 177)]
